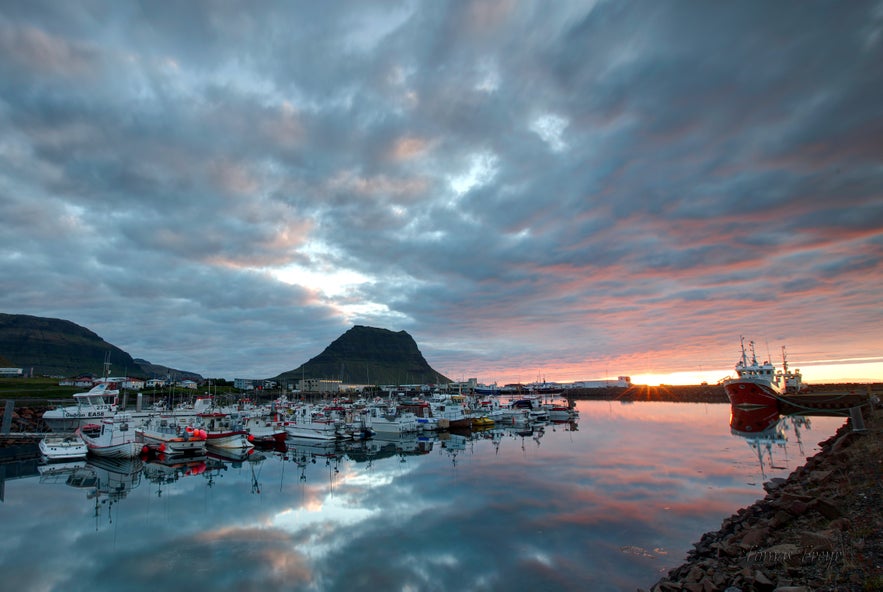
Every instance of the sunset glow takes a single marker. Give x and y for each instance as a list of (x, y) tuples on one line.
[(568, 190)]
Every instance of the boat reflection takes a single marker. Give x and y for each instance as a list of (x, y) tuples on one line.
[(109, 481), (766, 430), (165, 470)]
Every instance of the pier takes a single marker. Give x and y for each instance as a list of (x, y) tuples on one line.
[(828, 400)]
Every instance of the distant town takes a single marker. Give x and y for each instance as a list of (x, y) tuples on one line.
[(316, 385)]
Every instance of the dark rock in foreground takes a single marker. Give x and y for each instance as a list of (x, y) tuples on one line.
[(819, 530)]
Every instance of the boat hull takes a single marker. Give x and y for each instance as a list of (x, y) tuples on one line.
[(113, 439), (124, 450), (312, 431), (747, 393), (237, 440), (172, 445), (63, 448)]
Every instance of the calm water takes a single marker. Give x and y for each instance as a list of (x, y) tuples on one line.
[(608, 504)]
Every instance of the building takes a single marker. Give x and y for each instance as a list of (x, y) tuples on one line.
[(10, 371), (318, 385), (621, 381)]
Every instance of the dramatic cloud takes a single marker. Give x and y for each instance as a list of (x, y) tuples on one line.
[(571, 189)]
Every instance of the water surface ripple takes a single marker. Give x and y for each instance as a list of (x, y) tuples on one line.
[(608, 503)]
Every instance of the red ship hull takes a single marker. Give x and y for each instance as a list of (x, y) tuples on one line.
[(753, 421), (744, 392)]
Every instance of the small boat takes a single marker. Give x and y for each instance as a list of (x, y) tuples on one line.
[(224, 431), (384, 420), (452, 409), (313, 425), (759, 384), (160, 434), (265, 432), (482, 421), (63, 448), (112, 438)]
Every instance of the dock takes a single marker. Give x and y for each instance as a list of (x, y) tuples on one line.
[(828, 400)]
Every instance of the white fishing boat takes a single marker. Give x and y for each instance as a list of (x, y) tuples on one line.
[(63, 447), (112, 438), (100, 402), (388, 421), (452, 409), (314, 424), (313, 429)]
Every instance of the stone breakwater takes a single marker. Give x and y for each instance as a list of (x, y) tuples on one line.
[(819, 530)]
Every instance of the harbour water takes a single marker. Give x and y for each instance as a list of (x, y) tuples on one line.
[(610, 502)]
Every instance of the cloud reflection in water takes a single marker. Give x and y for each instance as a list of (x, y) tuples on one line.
[(608, 506)]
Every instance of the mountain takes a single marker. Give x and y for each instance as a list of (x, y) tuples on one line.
[(368, 355), (57, 347), (157, 371)]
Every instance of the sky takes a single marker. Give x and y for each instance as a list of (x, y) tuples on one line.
[(532, 190)]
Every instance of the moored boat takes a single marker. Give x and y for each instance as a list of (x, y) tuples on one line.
[(384, 420), (63, 447), (113, 438), (96, 404), (161, 434), (224, 431), (312, 425), (759, 384)]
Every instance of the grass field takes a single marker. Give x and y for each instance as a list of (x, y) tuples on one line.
[(35, 388)]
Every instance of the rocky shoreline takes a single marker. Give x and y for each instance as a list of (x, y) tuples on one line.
[(819, 530)]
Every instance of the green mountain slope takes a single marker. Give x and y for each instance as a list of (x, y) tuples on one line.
[(368, 355), (57, 347)]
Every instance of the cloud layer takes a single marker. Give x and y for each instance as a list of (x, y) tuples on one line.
[(572, 189)]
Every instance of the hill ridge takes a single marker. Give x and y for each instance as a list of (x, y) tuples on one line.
[(368, 355)]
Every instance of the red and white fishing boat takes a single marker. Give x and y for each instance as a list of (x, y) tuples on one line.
[(759, 384), (224, 431), (164, 434), (112, 438)]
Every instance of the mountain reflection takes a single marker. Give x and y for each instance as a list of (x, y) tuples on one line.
[(605, 504)]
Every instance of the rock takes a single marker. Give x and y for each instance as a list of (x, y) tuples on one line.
[(774, 484), (696, 574), (818, 541), (779, 553), (792, 589), (826, 508), (762, 581), (820, 475), (755, 537), (781, 518)]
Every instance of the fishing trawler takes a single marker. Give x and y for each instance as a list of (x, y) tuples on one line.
[(760, 384)]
